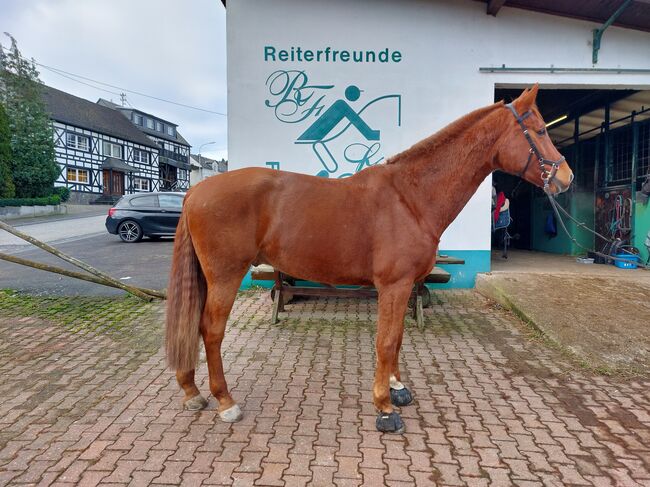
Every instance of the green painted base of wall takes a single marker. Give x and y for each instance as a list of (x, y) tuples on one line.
[(462, 276), (581, 207), (641, 228)]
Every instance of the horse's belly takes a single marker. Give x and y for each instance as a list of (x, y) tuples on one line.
[(323, 260)]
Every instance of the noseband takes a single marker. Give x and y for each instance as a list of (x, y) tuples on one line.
[(547, 176)]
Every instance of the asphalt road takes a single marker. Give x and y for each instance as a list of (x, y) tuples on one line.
[(143, 264)]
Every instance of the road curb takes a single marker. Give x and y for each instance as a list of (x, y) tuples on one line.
[(486, 286)]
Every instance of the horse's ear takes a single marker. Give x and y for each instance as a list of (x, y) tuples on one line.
[(527, 99)]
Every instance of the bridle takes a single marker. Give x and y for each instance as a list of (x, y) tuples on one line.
[(547, 176)]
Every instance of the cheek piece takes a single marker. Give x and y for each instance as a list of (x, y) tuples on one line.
[(544, 164)]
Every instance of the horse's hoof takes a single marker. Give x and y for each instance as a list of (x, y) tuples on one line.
[(196, 403), (401, 397), (232, 414), (390, 423)]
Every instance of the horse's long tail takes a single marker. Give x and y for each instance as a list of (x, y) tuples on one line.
[(185, 299)]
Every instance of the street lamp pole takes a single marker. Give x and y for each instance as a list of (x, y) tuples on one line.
[(201, 147)]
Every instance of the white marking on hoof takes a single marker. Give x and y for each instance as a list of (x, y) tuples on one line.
[(196, 403), (232, 414), (395, 384)]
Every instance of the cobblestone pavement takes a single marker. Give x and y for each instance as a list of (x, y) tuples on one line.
[(86, 400)]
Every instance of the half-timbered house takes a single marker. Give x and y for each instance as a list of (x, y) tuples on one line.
[(101, 154), (174, 150)]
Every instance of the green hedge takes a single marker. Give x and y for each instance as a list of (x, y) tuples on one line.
[(63, 192), (54, 199)]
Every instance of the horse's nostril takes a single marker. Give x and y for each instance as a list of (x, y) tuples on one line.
[(571, 178)]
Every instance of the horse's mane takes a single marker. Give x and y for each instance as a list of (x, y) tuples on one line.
[(442, 137)]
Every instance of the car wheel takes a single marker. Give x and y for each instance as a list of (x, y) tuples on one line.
[(129, 231)]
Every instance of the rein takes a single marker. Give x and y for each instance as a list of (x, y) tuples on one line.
[(557, 209), (547, 176)]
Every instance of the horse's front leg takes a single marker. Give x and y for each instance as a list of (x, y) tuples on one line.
[(393, 299), (400, 395)]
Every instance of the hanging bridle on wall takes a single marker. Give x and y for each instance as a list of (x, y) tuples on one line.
[(547, 176)]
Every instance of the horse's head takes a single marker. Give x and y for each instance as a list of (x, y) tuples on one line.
[(526, 149)]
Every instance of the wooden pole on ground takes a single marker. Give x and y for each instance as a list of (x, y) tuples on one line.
[(146, 294), (68, 273)]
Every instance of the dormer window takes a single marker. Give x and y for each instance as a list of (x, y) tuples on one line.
[(159, 126), (137, 119), (171, 131), (150, 123)]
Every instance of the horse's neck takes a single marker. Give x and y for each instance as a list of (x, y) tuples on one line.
[(438, 183)]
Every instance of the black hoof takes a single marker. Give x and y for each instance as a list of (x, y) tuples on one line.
[(401, 397), (390, 423)]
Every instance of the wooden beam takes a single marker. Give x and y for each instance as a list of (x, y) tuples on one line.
[(493, 6)]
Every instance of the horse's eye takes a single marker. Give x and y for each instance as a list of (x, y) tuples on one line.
[(541, 131)]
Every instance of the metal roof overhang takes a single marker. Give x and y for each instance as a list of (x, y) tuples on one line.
[(635, 16)]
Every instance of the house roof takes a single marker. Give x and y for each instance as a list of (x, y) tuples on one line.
[(635, 16), (204, 162), (154, 133), (66, 108)]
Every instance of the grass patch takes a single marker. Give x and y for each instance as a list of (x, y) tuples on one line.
[(122, 318)]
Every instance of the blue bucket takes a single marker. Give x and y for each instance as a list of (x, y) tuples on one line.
[(629, 262)]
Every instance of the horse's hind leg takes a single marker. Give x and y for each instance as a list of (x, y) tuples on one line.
[(220, 298), (390, 327), (193, 399)]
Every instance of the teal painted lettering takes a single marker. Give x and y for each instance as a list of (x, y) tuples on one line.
[(370, 54), (292, 98), (345, 56), (397, 56), (269, 51), (383, 56), (283, 55), (309, 55)]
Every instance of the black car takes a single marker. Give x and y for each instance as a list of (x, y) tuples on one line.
[(145, 215)]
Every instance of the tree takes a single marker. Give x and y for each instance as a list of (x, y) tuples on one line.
[(33, 163), (7, 189)]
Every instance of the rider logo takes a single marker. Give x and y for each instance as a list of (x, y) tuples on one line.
[(342, 135)]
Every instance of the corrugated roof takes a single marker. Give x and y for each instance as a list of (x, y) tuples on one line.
[(66, 108)]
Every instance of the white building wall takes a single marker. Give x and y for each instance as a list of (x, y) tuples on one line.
[(442, 45)]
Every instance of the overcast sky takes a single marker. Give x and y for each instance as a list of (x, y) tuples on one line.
[(170, 49)]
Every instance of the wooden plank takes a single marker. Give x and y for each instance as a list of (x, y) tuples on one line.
[(446, 259)]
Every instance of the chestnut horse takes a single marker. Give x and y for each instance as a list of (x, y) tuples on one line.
[(380, 227)]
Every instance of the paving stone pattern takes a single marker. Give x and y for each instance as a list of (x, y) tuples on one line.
[(85, 399)]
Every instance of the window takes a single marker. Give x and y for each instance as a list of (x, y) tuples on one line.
[(150, 123), (137, 119), (141, 184), (112, 150), (75, 175), (75, 141), (159, 126), (144, 201), (170, 201), (171, 131), (140, 156)]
